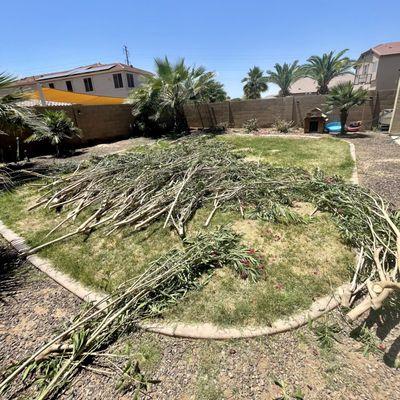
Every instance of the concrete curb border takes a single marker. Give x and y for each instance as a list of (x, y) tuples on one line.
[(354, 175)]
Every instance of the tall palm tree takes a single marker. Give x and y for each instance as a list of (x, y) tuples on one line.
[(285, 76), (255, 83), (343, 97), (324, 69), (60, 128), (162, 98), (14, 118)]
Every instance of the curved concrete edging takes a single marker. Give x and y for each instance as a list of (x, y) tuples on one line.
[(354, 175), (178, 329)]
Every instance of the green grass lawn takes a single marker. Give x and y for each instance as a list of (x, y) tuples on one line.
[(329, 154), (302, 261)]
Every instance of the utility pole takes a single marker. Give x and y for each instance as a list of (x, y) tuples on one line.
[(126, 52)]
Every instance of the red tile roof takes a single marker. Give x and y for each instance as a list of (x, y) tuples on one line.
[(387, 49)]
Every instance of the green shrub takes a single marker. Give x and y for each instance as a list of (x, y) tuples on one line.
[(251, 125), (282, 125)]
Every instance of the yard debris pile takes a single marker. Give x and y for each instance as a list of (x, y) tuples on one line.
[(163, 283), (170, 185)]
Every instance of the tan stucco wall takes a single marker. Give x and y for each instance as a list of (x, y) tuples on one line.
[(388, 72), (395, 122)]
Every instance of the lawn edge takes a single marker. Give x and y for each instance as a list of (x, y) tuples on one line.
[(178, 329)]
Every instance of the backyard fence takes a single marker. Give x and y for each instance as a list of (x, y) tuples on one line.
[(291, 108), (98, 123)]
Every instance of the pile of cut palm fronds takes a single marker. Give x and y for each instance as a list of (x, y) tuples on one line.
[(137, 189), (170, 184), (165, 280)]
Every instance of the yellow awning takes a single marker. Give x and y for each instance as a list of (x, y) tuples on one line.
[(63, 96)]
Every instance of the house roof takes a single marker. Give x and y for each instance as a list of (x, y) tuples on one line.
[(384, 49), (86, 69), (308, 85)]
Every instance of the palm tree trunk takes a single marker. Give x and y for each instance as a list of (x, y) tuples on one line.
[(343, 120), (57, 150), (181, 124)]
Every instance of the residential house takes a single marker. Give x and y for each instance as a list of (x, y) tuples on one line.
[(379, 67), (309, 86), (114, 80)]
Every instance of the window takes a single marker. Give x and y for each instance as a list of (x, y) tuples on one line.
[(51, 85), (118, 81), (69, 86), (88, 84), (131, 80), (365, 68)]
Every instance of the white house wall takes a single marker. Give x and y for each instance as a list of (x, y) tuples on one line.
[(103, 84)]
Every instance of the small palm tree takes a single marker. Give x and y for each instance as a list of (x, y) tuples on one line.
[(324, 69), (343, 97), (15, 118), (255, 83), (285, 76), (160, 101), (60, 127)]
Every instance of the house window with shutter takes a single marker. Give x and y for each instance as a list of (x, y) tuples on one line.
[(88, 84), (131, 80), (69, 86), (118, 81)]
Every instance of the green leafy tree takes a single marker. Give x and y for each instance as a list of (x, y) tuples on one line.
[(324, 69), (15, 118), (60, 128), (255, 83), (343, 97), (160, 101), (285, 76)]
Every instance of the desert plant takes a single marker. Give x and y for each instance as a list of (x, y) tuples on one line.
[(324, 69), (283, 126), (255, 83), (344, 96), (60, 128), (251, 125), (159, 102), (15, 118), (285, 76)]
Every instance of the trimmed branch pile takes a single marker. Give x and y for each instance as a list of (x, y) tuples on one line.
[(169, 185), (138, 189), (163, 283)]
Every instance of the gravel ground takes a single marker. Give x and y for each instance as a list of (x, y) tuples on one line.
[(32, 307), (378, 162)]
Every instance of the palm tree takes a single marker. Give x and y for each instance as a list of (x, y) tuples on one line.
[(255, 83), (60, 127), (160, 101), (344, 96), (284, 76), (15, 118), (324, 69)]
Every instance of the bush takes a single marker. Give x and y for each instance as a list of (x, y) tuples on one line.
[(282, 125), (251, 125)]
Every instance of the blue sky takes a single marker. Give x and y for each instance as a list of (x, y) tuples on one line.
[(227, 37)]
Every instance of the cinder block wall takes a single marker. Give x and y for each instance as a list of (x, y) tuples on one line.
[(98, 124), (288, 108)]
